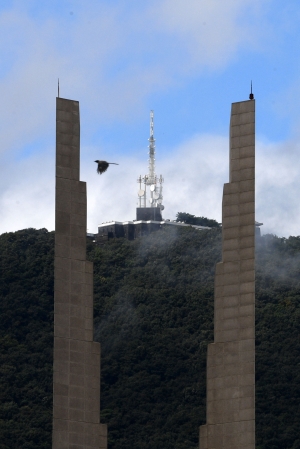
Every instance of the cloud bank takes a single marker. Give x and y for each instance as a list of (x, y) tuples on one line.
[(194, 178)]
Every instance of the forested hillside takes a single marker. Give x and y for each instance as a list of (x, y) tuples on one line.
[(26, 339), (154, 318)]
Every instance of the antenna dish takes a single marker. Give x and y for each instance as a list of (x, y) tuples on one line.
[(141, 192), (155, 195), (152, 188), (159, 201)]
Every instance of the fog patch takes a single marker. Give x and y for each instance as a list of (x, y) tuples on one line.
[(116, 325)]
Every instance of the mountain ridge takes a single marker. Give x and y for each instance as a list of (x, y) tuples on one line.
[(153, 316)]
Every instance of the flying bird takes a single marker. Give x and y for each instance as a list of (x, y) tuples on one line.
[(103, 166)]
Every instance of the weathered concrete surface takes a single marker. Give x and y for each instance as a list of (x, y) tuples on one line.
[(230, 417), (76, 376)]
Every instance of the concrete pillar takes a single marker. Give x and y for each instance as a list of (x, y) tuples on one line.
[(230, 416), (76, 370)]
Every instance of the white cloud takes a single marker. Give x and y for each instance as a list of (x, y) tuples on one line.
[(27, 193), (194, 178), (93, 58), (210, 32), (277, 187), (111, 57)]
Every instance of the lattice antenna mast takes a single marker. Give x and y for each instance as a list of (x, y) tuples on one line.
[(154, 194), (151, 176)]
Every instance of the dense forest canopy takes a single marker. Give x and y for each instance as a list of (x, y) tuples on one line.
[(154, 318)]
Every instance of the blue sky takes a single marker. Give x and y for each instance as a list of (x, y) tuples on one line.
[(188, 60)]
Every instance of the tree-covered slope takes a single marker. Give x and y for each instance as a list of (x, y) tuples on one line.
[(26, 339), (278, 343), (154, 318)]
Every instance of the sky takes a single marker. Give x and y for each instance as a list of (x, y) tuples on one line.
[(187, 60)]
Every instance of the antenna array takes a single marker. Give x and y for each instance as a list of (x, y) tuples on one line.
[(153, 182)]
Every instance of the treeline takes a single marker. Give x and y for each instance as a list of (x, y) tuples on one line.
[(198, 221), (154, 318)]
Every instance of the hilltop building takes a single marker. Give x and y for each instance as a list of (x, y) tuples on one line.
[(150, 207)]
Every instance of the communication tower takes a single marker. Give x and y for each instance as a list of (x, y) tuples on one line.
[(150, 192)]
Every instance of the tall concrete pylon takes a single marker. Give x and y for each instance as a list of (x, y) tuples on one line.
[(76, 365), (230, 416)]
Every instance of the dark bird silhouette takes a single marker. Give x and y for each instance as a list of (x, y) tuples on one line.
[(103, 166)]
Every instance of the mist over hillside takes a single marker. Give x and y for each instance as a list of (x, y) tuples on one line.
[(154, 319)]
